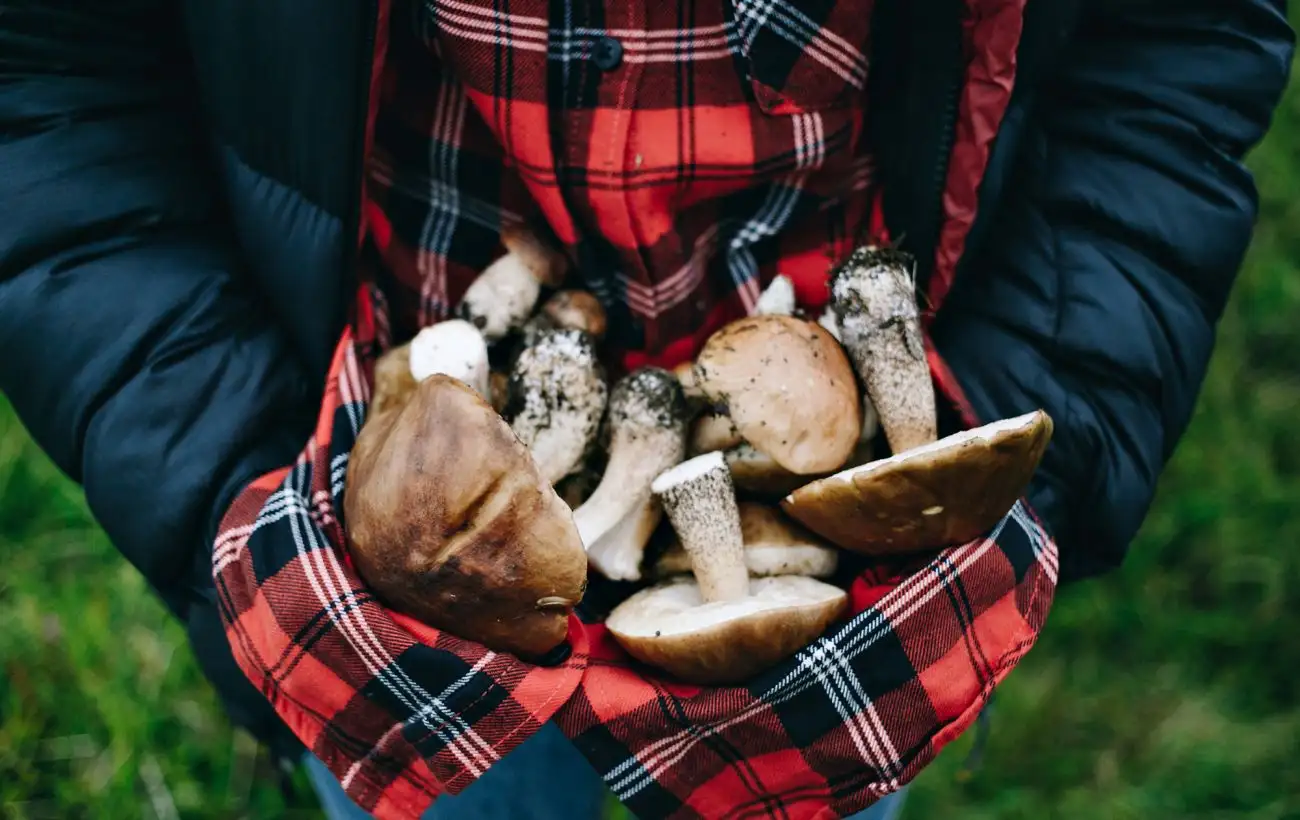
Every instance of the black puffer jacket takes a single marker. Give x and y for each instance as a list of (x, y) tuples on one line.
[(179, 207)]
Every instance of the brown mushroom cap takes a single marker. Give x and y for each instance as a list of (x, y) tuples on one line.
[(450, 521), (670, 627), (499, 389), (394, 383), (774, 545), (788, 387), (546, 263), (576, 309), (940, 494)]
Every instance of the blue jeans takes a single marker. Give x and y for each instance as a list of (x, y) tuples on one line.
[(546, 778)]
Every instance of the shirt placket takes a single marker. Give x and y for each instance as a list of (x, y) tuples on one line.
[(592, 145)]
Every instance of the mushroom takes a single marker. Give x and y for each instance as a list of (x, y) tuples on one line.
[(714, 431), (576, 309), (718, 627), (828, 321), (947, 492), (778, 298), (756, 472), (787, 386), (556, 399), (450, 522), (647, 418), (454, 348), (394, 383), (873, 296), (870, 419), (774, 545), (930, 493), (505, 293)]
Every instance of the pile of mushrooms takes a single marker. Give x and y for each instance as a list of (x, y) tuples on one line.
[(730, 484)]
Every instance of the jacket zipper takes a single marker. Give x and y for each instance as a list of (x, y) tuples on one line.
[(940, 164)]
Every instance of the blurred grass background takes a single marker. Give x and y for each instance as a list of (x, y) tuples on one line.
[(1167, 690)]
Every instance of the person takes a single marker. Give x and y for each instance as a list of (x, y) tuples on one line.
[(190, 190)]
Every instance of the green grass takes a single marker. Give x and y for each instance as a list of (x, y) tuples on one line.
[(1166, 690)]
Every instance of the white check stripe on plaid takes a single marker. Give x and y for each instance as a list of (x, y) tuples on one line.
[(645, 767), (794, 26), (440, 222), (326, 578), (771, 217), (715, 42)]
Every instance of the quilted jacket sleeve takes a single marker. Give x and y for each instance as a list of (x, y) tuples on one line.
[(132, 348), (1111, 258)]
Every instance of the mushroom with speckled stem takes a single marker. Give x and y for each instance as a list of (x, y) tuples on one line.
[(720, 626), (774, 545), (647, 418), (931, 492), (503, 296), (557, 395), (874, 300)]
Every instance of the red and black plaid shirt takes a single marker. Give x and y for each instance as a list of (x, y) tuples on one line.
[(683, 153)]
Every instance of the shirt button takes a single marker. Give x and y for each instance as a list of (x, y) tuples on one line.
[(607, 53)]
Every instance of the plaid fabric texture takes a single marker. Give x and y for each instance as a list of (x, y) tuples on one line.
[(724, 148)]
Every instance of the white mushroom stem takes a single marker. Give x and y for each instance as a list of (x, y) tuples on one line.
[(505, 293), (870, 419), (777, 298), (700, 501), (557, 397), (874, 299), (453, 348), (647, 415)]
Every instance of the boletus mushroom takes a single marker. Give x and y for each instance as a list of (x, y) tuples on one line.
[(501, 298), (557, 396), (450, 522), (453, 348), (774, 545), (947, 492), (720, 626), (873, 295), (647, 419), (786, 385), (567, 310), (929, 494)]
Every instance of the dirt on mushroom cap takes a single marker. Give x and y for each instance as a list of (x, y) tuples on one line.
[(788, 387), (939, 495), (557, 395), (489, 554)]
